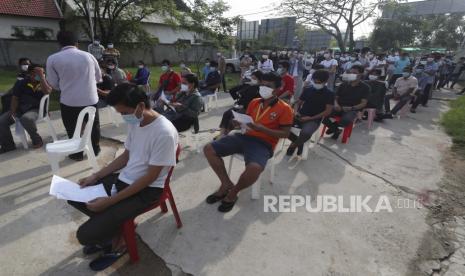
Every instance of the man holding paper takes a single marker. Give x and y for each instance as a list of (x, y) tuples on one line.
[(271, 120), (150, 151)]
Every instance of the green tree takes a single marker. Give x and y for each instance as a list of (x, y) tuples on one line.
[(338, 18)]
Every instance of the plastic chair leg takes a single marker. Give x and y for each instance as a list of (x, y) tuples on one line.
[(129, 234), (346, 134), (231, 158), (53, 160), (371, 117), (51, 129), (91, 157), (175, 210), (305, 152), (163, 206)]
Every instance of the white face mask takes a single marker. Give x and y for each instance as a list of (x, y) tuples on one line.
[(406, 74), (24, 67), (212, 68), (110, 46), (182, 66), (349, 77), (326, 55), (423, 62), (265, 57), (164, 68), (266, 92), (96, 42), (318, 86), (184, 87), (207, 64), (111, 67), (430, 59), (141, 66), (372, 77)]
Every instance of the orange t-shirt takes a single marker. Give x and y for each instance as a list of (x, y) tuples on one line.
[(273, 117)]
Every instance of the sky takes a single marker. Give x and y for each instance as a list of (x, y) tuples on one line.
[(262, 9)]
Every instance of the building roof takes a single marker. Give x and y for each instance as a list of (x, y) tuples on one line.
[(32, 8)]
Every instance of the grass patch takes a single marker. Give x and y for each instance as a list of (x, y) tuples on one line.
[(454, 121), (8, 78)]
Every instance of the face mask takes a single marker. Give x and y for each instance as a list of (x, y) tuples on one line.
[(111, 67), (164, 68), (372, 77), (370, 56), (423, 62), (266, 92), (212, 68), (419, 71), (352, 59), (246, 56), (326, 55), (96, 42), (24, 67), (337, 56), (406, 74), (207, 64), (397, 54), (141, 66), (132, 119), (184, 87), (110, 46), (183, 66), (218, 54), (265, 57), (279, 71), (36, 78), (349, 77), (430, 59), (318, 86)]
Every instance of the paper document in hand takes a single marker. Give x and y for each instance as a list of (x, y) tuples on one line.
[(64, 189), (243, 119)]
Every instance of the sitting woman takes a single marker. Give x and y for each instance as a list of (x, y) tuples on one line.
[(248, 92), (185, 111)]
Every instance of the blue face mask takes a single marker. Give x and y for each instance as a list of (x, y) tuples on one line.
[(132, 119), (36, 78)]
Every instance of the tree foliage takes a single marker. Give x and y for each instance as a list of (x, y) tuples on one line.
[(338, 18), (421, 31)]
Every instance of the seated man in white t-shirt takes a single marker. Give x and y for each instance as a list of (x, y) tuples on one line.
[(150, 151)]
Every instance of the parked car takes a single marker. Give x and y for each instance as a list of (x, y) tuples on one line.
[(232, 65)]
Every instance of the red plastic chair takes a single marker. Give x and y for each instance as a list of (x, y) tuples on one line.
[(345, 134), (129, 227)]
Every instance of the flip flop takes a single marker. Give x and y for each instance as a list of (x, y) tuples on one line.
[(211, 199), (226, 206), (105, 260)]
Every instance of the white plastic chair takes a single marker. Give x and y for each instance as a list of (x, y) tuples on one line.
[(113, 115), (78, 143), (256, 185), (210, 99), (43, 117)]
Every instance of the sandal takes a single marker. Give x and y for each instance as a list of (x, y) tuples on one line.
[(105, 260), (226, 206), (213, 198)]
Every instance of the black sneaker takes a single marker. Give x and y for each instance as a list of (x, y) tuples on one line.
[(290, 151), (76, 156), (336, 134), (388, 116), (330, 130)]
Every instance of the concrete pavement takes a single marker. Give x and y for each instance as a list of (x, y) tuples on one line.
[(398, 159)]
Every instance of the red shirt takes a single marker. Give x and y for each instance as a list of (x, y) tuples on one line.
[(288, 85), (174, 80)]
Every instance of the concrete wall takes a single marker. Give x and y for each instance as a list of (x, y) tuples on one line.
[(7, 23), (167, 35), (38, 51)]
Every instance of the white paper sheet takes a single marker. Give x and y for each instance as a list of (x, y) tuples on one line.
[(243, 119), (64, 189)]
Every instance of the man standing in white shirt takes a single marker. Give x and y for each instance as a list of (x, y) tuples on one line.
[(330, 64), (150, 152), (76, 74)]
